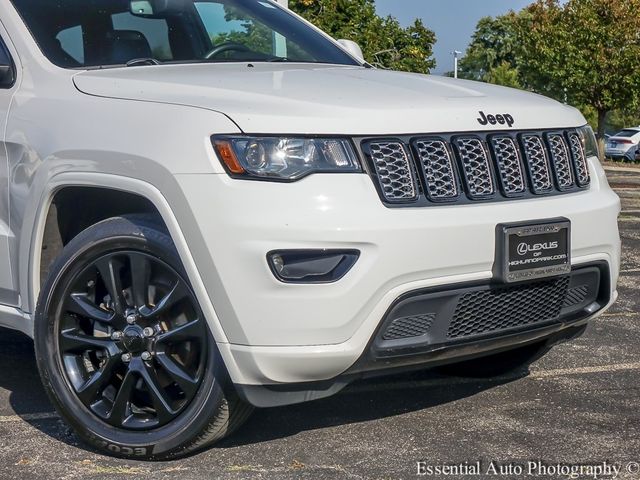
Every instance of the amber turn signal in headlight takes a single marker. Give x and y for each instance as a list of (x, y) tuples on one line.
[(285, 158)]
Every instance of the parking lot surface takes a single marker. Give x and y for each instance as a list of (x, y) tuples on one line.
[(578, 405)]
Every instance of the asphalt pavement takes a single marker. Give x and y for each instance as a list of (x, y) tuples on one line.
[(580, 405)]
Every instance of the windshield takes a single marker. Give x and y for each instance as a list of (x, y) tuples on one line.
[(92, 33), (627, 133)]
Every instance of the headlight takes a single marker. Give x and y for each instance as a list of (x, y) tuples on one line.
[(285, 158), (589, 141)]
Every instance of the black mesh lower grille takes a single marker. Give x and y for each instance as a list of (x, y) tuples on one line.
[(409, 327), (485, 311)]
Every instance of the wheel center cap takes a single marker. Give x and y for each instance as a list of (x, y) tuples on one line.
[(133, 339)]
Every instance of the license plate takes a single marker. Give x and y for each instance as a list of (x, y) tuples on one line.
[(533, 250)]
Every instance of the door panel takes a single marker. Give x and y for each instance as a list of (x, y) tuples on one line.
[(8, 280)]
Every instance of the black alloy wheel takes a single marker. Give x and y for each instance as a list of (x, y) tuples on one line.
[(132, 340), (123, 347)]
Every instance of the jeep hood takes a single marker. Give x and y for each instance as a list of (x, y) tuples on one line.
[(312, 99)]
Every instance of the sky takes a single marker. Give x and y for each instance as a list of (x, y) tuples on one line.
[(454, 21)]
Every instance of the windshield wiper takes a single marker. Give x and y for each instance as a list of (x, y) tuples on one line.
[(279, 59), (138, 62)]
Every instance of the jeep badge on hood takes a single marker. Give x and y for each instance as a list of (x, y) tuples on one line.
[(501, 119)]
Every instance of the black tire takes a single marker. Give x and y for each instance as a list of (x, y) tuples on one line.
[(499, 364), (116, 384)]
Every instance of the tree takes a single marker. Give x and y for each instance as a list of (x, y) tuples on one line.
[(505, 75), (383, 40), (493, 45), (585, 51)]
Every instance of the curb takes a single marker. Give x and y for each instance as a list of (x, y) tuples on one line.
[(621, 169)]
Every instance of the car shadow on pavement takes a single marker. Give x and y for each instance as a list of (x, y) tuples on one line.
[(19, 378), (21, 394), (364, 401)]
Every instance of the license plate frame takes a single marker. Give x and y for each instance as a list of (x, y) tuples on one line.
[(533, 250)]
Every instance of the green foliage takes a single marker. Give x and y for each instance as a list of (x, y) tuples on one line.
[(255, 36), (384, 41), (504, 74), (583, 52), (619, 119), (587, 50), (493, 45)]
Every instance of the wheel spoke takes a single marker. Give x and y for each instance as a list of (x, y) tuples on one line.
[(79, 303), (177, 373), (140, 276), (177, 293), (110, 270), (188, 331), (160, 403), (93, 387), (120, 409), (76, 342)]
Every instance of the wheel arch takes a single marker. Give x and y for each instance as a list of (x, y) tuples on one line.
[(145, 193)]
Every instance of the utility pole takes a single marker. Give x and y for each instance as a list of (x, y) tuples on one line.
[(455, 54)]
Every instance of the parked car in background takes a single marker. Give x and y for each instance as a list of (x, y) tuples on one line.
[(622, 145)]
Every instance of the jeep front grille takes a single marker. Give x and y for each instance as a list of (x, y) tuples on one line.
[(467, 168), (436, 161), (509, 165), (561, 161), (393, 168), (579, 157), (475, 167), (538, 161)]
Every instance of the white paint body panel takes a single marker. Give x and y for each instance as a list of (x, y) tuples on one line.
[(324, 99), (147, 130)]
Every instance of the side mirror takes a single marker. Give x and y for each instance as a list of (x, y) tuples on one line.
[(353, 48), (7, 75)]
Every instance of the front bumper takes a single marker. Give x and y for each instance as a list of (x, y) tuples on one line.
[(278, 333)]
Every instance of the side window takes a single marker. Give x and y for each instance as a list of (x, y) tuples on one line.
[(7, 71), (71, 41), (5, 59), (154, 30)]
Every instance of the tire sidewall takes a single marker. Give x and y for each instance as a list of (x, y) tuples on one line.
[(113, 235)]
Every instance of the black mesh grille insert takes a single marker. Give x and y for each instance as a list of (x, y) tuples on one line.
[(497, 309), (408, 327)]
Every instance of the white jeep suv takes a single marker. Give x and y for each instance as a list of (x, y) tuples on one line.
[(210, 205)]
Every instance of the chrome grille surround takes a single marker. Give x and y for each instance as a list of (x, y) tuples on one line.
[(561, 160), (510, 168), (437, 161), (538, 162), (476, 169), (583, 176), (394, 171)]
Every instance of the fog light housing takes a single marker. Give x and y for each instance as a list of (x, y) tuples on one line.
[(311, 266)]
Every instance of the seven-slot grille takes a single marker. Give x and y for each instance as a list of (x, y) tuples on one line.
[(473, 167)]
